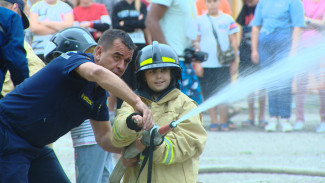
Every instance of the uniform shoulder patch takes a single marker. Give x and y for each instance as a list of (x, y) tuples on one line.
[(66, 55)]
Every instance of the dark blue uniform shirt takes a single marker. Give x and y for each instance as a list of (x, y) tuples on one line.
[(53, 101), (12, 52)]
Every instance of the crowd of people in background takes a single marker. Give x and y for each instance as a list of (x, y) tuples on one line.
[(261, 34), (165, 23)]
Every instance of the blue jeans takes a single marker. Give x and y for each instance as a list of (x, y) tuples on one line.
[(21, 162), (93, 164), (272, 48)]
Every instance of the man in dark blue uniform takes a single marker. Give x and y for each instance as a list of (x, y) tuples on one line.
[(70, 89), (12, 52)]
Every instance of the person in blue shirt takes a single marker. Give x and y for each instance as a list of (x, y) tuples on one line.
[(277, 26), (70, 89), (12, 52)]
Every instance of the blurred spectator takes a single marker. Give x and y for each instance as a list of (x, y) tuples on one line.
[(277, 26), (130, 16), (91, 16), (46, 18), (315, 23), (202, 9), (171, 22), (147, 2), (34, 63), (69, 3), (12, 52), (109, 4), (212, 75), (246, 66)]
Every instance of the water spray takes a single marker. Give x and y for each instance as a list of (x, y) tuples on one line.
[(270, 78)]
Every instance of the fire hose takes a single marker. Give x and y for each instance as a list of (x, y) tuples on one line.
[(132, 151)]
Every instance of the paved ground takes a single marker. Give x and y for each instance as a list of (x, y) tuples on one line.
[(250, 148)]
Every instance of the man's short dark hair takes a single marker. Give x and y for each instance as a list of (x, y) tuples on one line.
[(109, 36)]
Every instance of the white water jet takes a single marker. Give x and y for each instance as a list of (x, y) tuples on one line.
[(300, 63)]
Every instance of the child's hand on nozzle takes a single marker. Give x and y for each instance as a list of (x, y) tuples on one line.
[(138, 120), (143, 109)]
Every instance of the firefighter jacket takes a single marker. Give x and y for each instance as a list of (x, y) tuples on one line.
[(34, 64), (177, 158)]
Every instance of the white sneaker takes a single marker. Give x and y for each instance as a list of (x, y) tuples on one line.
[(299, 125), (270, 127), (285, 125), (321, 128)]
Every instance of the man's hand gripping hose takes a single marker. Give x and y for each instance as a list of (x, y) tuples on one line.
[(132, 151)]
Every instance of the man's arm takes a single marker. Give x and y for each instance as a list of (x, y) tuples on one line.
[(315, 23), (255, 33), (296, 34), (156, 12), (102, 131), (37, 28), (115, 85), (234, 43), (57, 26)]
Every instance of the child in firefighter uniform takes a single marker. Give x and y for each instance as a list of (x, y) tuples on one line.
[(176, 159)]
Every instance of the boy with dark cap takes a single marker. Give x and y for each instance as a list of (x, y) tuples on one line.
[(12, 52)]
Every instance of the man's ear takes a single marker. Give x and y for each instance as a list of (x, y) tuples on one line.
[(15, 8), (98, 52)]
